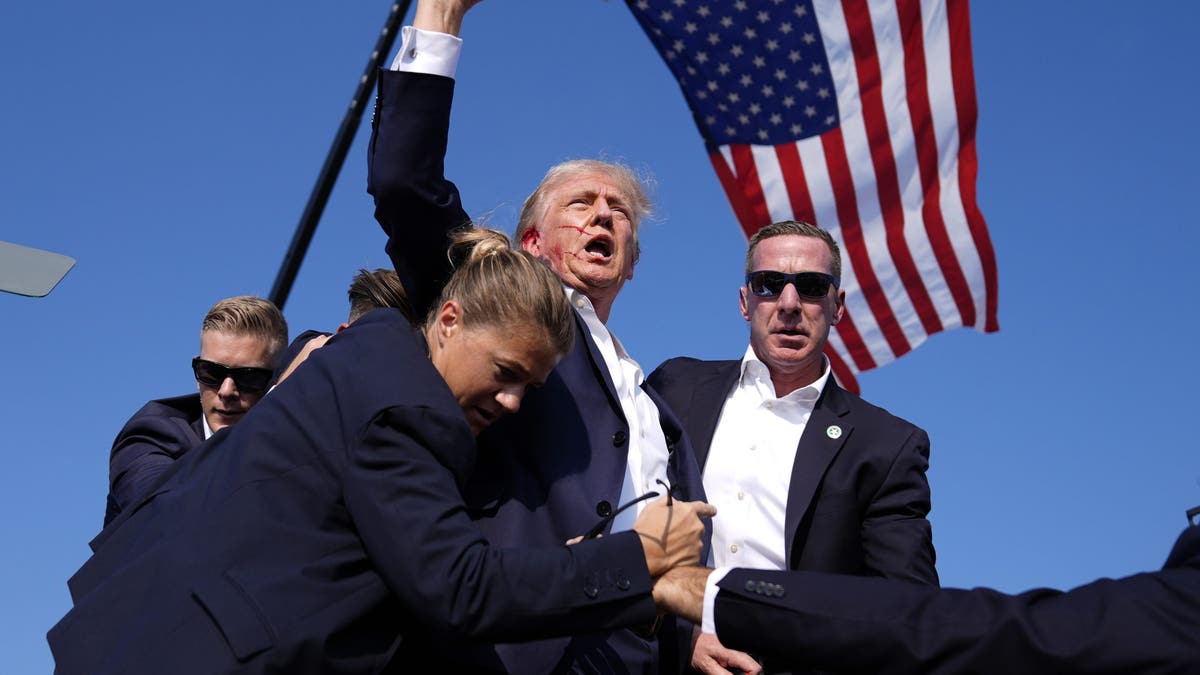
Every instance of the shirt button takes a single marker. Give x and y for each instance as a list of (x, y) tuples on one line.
[(741, 495), (579, 303), (770, 405), (733, 548)]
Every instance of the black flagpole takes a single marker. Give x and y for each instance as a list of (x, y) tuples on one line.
[(336, 157)]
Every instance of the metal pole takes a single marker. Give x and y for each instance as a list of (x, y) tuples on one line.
[(336, 157)]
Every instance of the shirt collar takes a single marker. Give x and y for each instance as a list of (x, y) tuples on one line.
[(755, 374)]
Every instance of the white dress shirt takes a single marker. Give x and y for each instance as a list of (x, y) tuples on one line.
[(749, 466)]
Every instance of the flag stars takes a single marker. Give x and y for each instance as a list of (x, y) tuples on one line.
[(736, 51), (785, 28), (746, 80), (781, 74), (729, 131), (776, 119), (680, 3), (713, 38), (691, 27), (744, 119), (750, 33), (816, 69), (755, 108), (740, 5), (801, 10), (667, 16), (691, 71), (802, 85), (733, 97), (701, 57), (643, 5), (723, 69), (823, 92), (810, 111), (762, 135), (772, 45), (726, 22), (808, 38), (713, 86), (722, 107), (701, 94), (829, 120), (763, 17), (789, 101), (795, 129), (768, 91), (679, 46), (794, 56), (760, 62), (703, 11), (711, 120)]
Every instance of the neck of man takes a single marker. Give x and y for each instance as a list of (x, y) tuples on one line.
[(787, 382)]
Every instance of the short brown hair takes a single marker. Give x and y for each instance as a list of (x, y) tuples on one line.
[(499, 286), (249, 315), (800, 228), (633, 187), (372, 290)]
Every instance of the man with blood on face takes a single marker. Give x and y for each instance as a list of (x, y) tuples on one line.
[(806, 475)]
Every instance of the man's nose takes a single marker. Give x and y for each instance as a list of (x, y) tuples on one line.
[(602, 212), (789, 299), (228, 388)]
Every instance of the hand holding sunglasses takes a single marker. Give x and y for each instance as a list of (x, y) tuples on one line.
[(810, 285), (247, 379), (672, 533)]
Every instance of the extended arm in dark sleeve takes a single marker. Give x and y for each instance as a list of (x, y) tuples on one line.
[(412, 520), (1146, 623), (414, 203), (144, 449)]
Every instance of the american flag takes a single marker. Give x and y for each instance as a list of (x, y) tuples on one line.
[(857, 116)]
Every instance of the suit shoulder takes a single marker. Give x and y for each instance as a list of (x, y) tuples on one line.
[(879, 416), (683, 367)]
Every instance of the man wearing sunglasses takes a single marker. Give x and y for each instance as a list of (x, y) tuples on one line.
[(805, 475), (239, 341)]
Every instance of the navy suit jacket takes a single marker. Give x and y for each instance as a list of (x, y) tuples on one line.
[(856, 502), (553, 469), (1146, 623), (324, 527), (148, 445)]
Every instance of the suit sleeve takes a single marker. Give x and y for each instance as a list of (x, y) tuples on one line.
[(897, 537), (415, 527), (414, 203), (144, 449), (1144, 623)]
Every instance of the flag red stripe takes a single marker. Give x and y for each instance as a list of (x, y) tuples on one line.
[(746, 172), (915, 75), (796, 181), (887, 182), (963, 74), (844, 375), (846, 203), (732, 190), (854, 343)]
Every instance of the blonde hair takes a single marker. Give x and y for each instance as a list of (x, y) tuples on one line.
[(631, 186), (501, 287), (249, 315), (372, 290)]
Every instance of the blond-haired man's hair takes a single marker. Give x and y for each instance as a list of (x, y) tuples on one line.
[(249, 315), (800, 228)]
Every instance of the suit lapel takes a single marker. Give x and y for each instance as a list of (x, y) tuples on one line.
[(827, 430), (596, 360)]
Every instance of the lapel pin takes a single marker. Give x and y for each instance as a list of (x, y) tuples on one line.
[(834, 431)]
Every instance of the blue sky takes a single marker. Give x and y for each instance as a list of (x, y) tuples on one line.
[(170, 148)]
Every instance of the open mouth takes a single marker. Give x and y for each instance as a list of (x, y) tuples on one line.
[(601, 247)]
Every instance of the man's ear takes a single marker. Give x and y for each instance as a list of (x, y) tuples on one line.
[(342, 327), (531, 241), (839, 307), (744, 302)]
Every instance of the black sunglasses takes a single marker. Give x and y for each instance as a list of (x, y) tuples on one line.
[(249, 380), (811, 285), (599, 528)]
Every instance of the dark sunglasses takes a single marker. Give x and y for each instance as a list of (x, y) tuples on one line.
[(811, 285), (249, 380), (599, 528)]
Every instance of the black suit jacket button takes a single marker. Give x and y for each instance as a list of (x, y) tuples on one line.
[(591, 592), (603, 508), (623, 584), (749, 586), (620, 438)]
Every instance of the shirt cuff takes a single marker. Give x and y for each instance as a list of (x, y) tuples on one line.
[(423, 51), (708, 623)]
